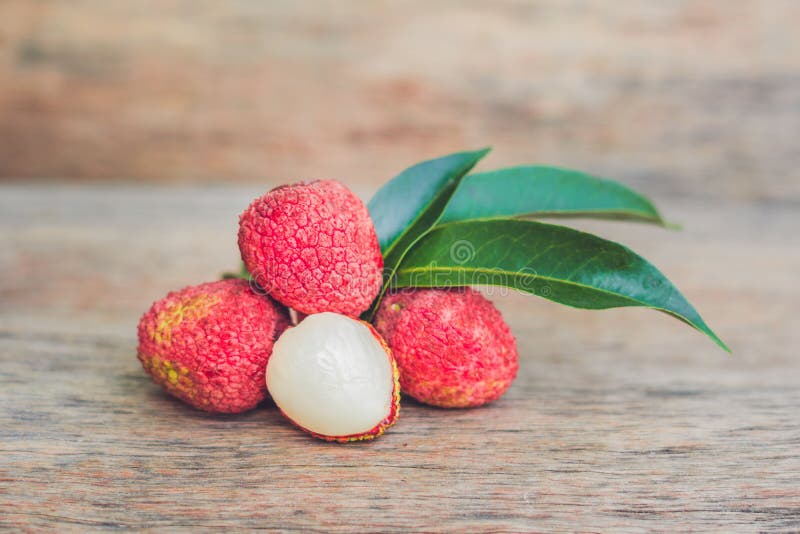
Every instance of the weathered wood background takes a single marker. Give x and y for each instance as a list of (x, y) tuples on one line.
[(622, 420), (685, 96)]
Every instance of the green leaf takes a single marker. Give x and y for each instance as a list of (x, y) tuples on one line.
[(411, 204), (408, 196), (554, 262), (243, 274), (535, 191)]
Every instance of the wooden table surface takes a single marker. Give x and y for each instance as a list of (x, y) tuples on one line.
[(622, 420)]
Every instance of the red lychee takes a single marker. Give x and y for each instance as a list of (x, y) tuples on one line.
[(313, 247), (452, 346), (209, 344)]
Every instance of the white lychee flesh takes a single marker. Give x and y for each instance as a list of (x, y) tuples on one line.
[(331, 376)]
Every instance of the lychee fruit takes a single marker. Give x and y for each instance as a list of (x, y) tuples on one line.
[(335, 377), (313, 247), (452, 346), (208, 345)]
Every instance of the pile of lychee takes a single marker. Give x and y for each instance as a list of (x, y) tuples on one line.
[(292, 331)]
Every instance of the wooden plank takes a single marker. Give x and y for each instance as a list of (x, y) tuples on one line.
[(623, 420), (688, 97)]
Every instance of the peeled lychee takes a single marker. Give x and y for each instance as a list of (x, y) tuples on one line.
[(452, 346), (334, 377), (209, 344), (313, 247)]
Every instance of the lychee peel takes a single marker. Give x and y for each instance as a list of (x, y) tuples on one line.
[(452, 346), (208, 345), (313, 247), (334, 377)]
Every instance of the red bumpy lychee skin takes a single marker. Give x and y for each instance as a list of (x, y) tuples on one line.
[(208, 345), (313, 247), (452, 346)]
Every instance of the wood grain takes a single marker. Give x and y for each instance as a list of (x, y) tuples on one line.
[(687, 96), (622, 420)]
